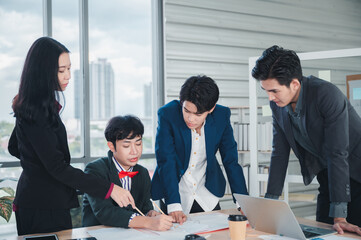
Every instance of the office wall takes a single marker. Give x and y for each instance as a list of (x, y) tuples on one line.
[(216, 38)]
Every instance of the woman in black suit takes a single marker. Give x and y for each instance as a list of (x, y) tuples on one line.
[(46, 188)]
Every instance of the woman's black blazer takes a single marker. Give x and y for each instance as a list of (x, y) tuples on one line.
[(48, 181)]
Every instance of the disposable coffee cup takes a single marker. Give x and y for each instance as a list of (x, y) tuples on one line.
[(237, 226)]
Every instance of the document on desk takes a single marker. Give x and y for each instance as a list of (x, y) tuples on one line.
[(213, 220), (117, 233), (336, 237), (278, 237), (275, 237), (194, 224)]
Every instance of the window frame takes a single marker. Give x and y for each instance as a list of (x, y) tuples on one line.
[(157, 75)]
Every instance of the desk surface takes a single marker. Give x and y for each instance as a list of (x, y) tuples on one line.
[(221, 235)]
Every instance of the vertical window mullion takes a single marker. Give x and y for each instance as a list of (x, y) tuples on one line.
[(158, 59), (84, 72), (47, 18)]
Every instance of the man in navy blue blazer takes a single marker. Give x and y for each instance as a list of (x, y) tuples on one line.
[(190, 132)]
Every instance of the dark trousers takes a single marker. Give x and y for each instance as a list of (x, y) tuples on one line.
[(195, 207), (30, 221), (323, 201)]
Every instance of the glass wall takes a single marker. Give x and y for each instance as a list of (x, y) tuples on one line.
[(120, 73), (66, 30), (120, 67), (20, 24)]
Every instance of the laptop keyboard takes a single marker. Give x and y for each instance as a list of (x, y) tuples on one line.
[(310, 234)]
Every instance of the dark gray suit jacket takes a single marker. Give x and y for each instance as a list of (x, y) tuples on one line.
[(334, 129)]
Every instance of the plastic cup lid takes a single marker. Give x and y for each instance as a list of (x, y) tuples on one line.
[(237, 218)]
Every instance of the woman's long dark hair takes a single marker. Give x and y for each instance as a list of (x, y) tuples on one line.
[(39, 81)]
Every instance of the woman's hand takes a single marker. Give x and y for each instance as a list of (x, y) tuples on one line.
[(122, 197)]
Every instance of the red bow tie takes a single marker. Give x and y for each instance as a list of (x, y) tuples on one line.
[(129, 174)]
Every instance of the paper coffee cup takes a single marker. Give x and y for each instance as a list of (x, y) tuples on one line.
[(237, 226)]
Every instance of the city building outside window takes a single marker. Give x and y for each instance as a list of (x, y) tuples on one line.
[(120, 67)]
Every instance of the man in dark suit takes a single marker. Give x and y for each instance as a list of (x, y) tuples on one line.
[(190, 132), (316, 120), (124, 136)]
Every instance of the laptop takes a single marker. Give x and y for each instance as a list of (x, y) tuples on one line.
[(276, 217)]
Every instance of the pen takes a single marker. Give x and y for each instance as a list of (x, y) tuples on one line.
[(139, 211), (160, 210)]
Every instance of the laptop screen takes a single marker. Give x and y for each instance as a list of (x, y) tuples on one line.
[(273, 216)]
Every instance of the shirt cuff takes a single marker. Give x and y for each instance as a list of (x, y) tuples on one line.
[(268, 195), (109, 191), (174, 207), (131, 217), (338, 209)]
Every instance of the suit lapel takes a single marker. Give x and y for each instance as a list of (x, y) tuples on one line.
[(304, 107), (209, 135), (288, 131), (187, 139), (113, 172)]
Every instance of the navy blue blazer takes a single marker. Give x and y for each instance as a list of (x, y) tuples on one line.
[(173, 147), (334, 129)]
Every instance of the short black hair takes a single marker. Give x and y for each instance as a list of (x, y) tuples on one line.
[(120, 127), (200, 90), (282, 64)]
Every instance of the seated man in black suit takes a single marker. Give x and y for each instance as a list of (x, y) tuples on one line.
[(124, 136)]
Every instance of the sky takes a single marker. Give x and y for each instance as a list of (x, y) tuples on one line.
[(118, 30)]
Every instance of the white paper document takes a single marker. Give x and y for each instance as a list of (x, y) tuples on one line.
[(278, 237), (274, 237), (194, 224), (336, 237), (117, 234)]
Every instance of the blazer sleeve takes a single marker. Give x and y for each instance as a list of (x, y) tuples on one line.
[(333, 107), (279, 161), (167, 159), (229, 155), (105, 210), (49, 148)]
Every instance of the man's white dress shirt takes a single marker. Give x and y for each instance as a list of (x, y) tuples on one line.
[(192, 184)]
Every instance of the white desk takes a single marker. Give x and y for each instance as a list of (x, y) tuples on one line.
[(221, 235)]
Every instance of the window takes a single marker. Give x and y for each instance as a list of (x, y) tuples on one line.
[(20, 25), (120, 67), (65, 23), (120, 72)]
